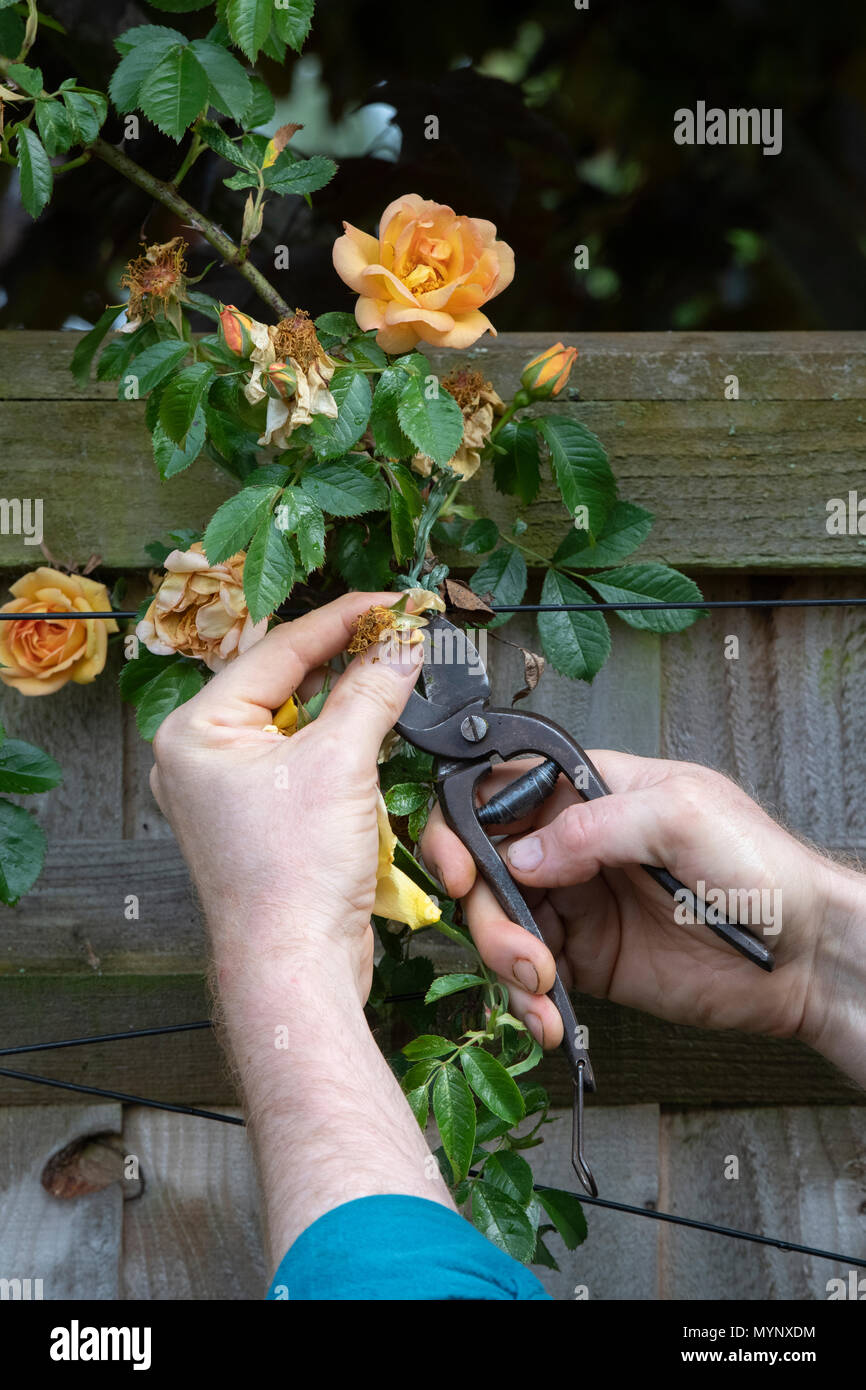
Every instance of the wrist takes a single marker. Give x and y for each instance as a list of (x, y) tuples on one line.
[(834, 1018)]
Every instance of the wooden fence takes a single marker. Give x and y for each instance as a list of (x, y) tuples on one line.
[(739, 489)]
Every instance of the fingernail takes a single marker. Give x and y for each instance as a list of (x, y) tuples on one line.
[(400, 655), (526, 854), (536, 1028), (526, 974)]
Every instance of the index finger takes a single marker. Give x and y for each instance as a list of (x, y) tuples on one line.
[(257, 683)]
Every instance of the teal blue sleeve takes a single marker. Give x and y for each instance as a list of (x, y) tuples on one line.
[(398, 1247)]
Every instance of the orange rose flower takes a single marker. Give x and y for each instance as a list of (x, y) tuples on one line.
[(39, 655), (426, 276), (200, 610)]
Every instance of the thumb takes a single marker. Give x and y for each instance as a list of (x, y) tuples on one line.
[(370, 696), (612, 831)]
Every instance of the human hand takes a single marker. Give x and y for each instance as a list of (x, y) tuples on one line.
[(610, 928), (280, 834)]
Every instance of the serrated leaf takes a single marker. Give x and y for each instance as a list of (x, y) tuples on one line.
[(157, 362), (234, 522), (405, 797), (503, 575), (634, 583), (231, 91), (263, 106), (142, 669), (143, 48), (172, 458), (341, 488), (87, 112), (577, 644), (390, 438), (172, 687), (300, 176), (269, 570), (86, 348), (451, 984), (402, 530), (214, 136), (454, 1111), (292, 21), (181, 399), (511, 1174), (518, 469), (26, 769), (22, 852), (480, 537), (363, 557), (492, 1084), (34, 168), (54, 126), (580, 466), (249, 24), (175, 92), (419, 1103), (27, 78), (331, 438), (626, 527), (498, 1217), (566, 1213), (428, 1045), (434, 425)]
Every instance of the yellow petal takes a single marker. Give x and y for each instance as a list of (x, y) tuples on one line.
[(387, 838), (286, 717), (401, 900)]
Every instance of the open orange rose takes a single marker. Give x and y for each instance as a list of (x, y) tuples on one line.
[(426, 276), (39, 655)]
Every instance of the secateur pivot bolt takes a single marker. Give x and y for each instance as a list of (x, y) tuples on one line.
[(473, 728)]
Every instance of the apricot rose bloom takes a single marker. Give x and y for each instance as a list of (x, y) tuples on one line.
[(199, 610), (426, 276), (39, 655)]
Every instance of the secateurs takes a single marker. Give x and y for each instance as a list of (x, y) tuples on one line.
[(454, 721)]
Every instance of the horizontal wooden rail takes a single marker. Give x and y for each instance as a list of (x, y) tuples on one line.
[(734, 484)]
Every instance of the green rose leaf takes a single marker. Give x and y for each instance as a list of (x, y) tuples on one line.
[(406, 797), (518, 469), (156, 363), (480, 537), (634, 583), (511, 1174), (626, 527), (85, 350), (35, 173), (431, 418), (249, 24), (419, 1103), (363, 557), (174, 685), (581, 468), (171, 458), (454, 1111), (389, 437), (492, 1084), (87, 112), (25, 769), (235, 520), (576, 644), (180, 6), (28, 79), (292, 22), (451, 984), (342, 488), (143, 49), (54, 125), (230, 90), (175, 92), (503, 575), (269, 571), (331, 438), (303, 519), (263, 105), (566, 1213), (498, 1217), (402, 530), (181, 399), (22, 852), (428, 1045), (216, 138), (291, 175)]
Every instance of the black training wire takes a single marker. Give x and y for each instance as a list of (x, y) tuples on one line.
[(642, 606), (120, 1095)]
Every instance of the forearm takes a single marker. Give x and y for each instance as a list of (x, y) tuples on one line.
[(326, 1115), (834, 1020)]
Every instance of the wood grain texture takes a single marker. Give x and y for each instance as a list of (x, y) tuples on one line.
[(72, 1245), (802, 1177), (733, 484), (194, 1233)]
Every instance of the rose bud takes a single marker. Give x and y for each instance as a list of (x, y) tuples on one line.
[(236, 330), (280, 381), (544, 377)]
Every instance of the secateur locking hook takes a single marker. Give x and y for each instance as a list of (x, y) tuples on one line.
[(454, 721)]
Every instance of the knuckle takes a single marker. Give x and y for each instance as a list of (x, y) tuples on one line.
[(572, 828)]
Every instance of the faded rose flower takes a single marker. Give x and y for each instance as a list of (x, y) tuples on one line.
[(156, 281), (199, 610), (480, 404), (39, 655), (290, 368), (426, 275)]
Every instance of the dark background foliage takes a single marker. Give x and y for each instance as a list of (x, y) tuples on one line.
[(576, 146)]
